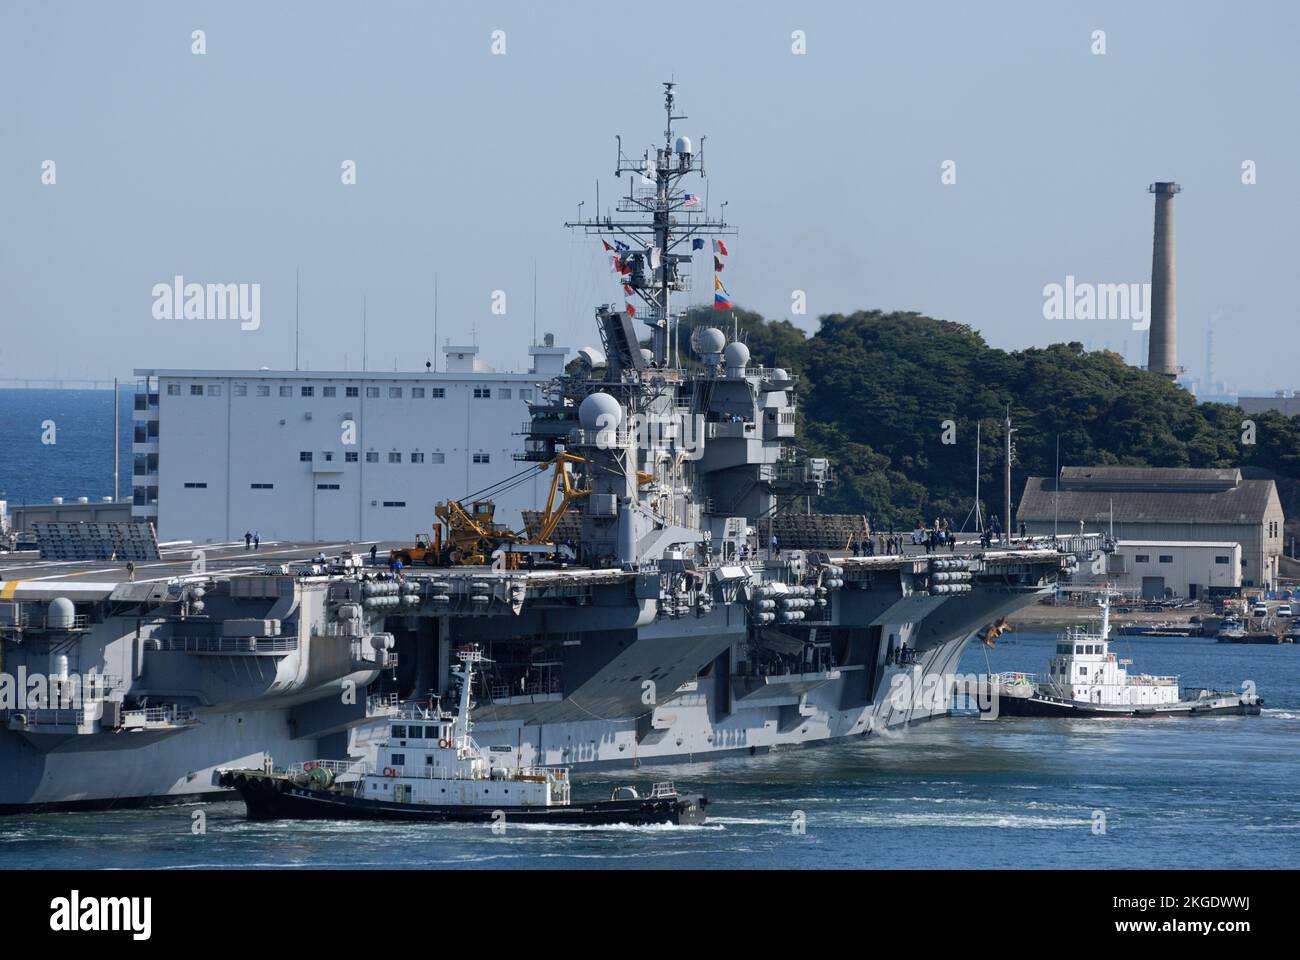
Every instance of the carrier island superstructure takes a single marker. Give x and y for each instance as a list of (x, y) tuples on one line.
[(674, 630)]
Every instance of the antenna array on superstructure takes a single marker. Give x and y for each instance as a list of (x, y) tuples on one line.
[(655, 275)]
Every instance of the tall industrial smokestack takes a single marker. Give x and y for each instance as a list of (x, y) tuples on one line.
[(1162, 356)]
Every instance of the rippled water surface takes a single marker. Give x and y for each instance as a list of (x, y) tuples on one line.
[(958, 792)]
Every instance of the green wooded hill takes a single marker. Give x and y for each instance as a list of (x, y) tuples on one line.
[(876, 387)]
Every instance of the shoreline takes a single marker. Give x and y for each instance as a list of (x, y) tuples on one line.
[(1061, 616)]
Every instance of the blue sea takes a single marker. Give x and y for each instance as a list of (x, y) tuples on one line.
[(79, 463), (957, 792)]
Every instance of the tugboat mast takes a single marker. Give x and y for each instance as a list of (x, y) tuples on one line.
[(650, 267)]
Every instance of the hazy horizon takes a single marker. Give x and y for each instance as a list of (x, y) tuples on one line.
[(225, 168)]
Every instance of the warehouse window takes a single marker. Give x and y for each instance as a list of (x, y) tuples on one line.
[(1222, 560), (504, 393), (261, 486), (437, 457), (417, 393), (304, 456), (417, 457), (241, 389), (394, 503), (525, 393), (329, 391), (482, 392), (482, 458), (372, 456), (437, 393), (1166, 558), (173, 389), (351, 391), (214, 390), (394, 457), (350, 456), (286, 391), (263, 391), (394, 393), (327, 486), (196, 389), (308, 391), (1142, 558), (327, 456), (196, 486)]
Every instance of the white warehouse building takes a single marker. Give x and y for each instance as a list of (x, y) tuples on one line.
[(1195, 570), (329, 455)]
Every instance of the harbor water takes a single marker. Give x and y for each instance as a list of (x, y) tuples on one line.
[(953, 793)]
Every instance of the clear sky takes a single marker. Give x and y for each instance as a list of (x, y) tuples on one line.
[(226, 168)]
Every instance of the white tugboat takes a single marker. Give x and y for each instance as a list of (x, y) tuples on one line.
[(1085, 679), (430, 769)]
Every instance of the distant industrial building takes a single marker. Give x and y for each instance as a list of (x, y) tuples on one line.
[(1284, 402), (1157, 569), (330, 456), (1194, 511)]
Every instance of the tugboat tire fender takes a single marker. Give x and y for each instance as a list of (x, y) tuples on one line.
[(389, 772)]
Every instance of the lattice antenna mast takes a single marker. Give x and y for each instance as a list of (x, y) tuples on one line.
[(652, 220)]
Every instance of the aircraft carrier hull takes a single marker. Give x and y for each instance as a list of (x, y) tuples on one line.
[(128, 772), (225, 668)]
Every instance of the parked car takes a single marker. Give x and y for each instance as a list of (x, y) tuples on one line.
[(1285, 610), (1259, 610)]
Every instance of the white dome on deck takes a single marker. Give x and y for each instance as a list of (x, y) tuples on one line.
[(736, 355), (712, 340), (600, 411)]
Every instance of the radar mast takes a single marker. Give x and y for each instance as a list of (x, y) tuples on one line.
[(651, 221)]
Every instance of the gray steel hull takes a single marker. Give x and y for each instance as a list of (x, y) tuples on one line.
[(120, 769)]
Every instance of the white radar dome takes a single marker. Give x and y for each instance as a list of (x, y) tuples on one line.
[(61, 614), (736, 354), (600, 411), (683, 144), (712, 340), (780, 375)]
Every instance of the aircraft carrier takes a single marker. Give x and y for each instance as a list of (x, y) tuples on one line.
[(654, 619)]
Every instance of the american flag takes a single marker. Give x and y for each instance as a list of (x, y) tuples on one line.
[(691, 200)]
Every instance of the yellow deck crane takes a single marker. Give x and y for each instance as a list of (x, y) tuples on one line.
[(561, 481), (473, 535)]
